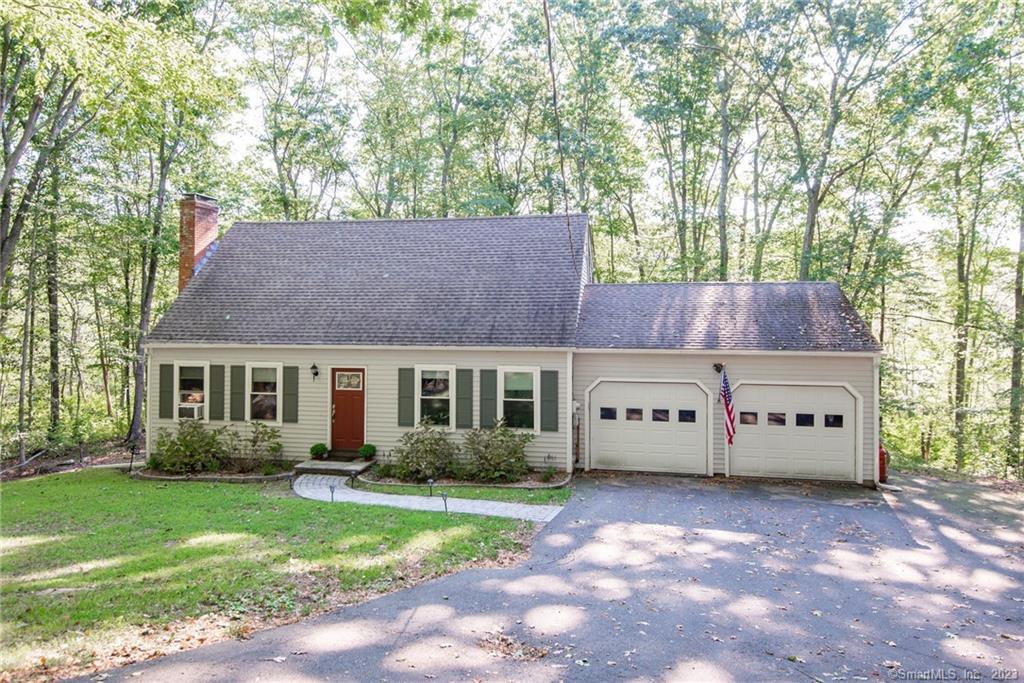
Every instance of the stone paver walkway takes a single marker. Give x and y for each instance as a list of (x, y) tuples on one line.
[(318, 487)]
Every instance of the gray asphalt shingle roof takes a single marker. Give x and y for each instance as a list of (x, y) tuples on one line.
[(769, 316), (505, 281)]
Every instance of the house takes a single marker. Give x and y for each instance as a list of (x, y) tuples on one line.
[(352, 332)]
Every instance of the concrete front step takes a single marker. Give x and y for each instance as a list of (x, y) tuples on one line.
[(335, 467)]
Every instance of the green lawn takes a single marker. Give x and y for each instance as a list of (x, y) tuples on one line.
[(511, 495), (89, 556)]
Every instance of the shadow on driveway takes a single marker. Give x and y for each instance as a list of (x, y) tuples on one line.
[(696, 579)]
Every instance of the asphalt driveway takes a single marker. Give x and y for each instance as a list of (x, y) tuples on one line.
[(689, 579)]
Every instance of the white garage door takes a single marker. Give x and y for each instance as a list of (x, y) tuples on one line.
[(803, 432), (649, 426)]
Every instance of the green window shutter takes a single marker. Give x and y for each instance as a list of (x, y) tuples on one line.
[(549, 400), (488, 398), (237, 393), (290, 394), (166, 389), (464, 398), (406, 397), (216, 392)]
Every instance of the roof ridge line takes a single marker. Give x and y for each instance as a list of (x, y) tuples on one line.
[(713, 283), (432, 219)]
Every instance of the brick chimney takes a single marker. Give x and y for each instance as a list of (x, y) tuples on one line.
[(197, 232)]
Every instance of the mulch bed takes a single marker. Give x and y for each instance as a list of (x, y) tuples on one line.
[(215, 477), (533, 480)]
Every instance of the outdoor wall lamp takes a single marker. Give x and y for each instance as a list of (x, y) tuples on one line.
[(718, 367), (314, 370)]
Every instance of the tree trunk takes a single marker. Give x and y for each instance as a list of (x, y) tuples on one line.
[(723, 180), (810, 223), (25, 344), (963, 291), (168, 152), (631, 211), (926, 441), (1013, 453), (680, 222), (52, 284), (102, 348)]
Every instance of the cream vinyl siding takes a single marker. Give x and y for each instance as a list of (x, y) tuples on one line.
[(548, 449), (857, 371)]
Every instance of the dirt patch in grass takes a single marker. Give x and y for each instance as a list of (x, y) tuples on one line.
[(319, 593), (998, 483)]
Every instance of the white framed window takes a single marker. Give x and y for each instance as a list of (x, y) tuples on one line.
[(263, 392), (191, 384), (435, 395), (519, 392)]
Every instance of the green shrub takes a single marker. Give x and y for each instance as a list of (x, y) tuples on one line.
[(263, 443), (386, 470), (193, 448), (548, 474), (497, 455), (318, 451), (424, 453), (367, 450)]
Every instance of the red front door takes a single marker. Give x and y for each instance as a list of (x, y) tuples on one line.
[(347, 408)]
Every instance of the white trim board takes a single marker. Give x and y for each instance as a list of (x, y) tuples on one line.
[(569, 413), (876, 426), (709, 441), (858, 406)]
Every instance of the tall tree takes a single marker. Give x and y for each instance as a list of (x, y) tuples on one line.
[(292, 57), (857, 46)]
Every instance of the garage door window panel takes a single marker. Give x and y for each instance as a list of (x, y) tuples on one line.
[(634, 414), (659, 415), (833, 421), (609, 414), (748, 418), (688, 415), (805, 419), (776, 419)]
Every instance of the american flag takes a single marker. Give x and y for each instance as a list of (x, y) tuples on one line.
[(725, 392)]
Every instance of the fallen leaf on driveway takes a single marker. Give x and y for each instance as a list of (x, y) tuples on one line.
[(891, 664)]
